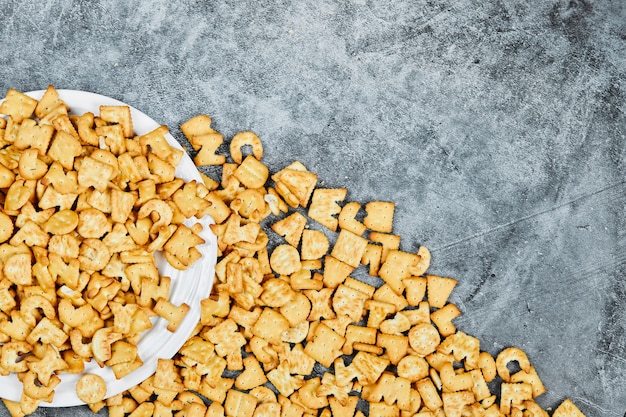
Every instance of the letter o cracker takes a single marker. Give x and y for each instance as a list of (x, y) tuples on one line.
[(245, 138), (91, 388), (285, 260), (511, 354), (424, 338), (413, 368)]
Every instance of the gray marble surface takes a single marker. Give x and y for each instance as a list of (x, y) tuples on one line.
[(496, 127)]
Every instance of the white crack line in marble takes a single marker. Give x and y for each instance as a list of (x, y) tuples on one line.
[(525, 218)]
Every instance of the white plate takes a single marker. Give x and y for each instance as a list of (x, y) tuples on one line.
[(190, 286)]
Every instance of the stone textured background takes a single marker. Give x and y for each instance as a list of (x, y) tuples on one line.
[(496, 127)]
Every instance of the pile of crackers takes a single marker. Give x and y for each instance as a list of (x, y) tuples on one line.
[(85, 207), (290, 329)]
